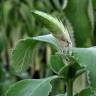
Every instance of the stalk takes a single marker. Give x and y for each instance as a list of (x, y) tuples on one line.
[(69, 88)]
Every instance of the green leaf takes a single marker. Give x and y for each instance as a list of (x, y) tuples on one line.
[(6, 10), (55, 26), (94, 4), (91, 13), (2, 74), (85, 92), (49, 39), (22, 55), (56, 63), (87, 57), (56, 4), (28, 18), (52, 23), (66, 67), (73, 70), (70, 70), (2, 42), (79, 13), (60, 95), (31, 87)]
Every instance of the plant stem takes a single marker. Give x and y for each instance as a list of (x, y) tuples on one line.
[(70, 87)]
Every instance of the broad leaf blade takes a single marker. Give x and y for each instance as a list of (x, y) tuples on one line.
[(39, 87), (22, 55), (87, 57)]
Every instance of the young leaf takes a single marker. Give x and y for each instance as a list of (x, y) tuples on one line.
[(31, 87), (71, 71), (55, 26), (52, 23), (22, 55)]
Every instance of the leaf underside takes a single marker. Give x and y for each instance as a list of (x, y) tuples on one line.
[(22, 55), (87, 57), (31, 87)]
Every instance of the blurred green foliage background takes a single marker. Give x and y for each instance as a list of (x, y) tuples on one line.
[(17, 21)]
